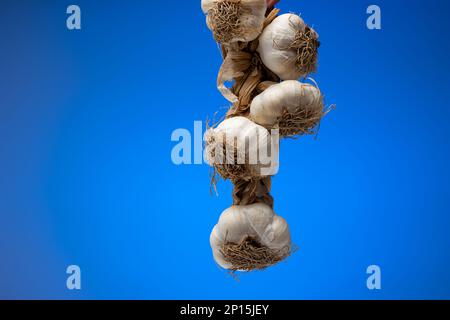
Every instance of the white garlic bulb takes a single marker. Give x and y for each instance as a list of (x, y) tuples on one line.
[(288, 47), (292, 106), (239, 148), (235, 20), (250, 237)]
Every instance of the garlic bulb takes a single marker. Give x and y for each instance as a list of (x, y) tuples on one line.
[(235, 20), (250, 237), (288, 47), (292, 106), (239, 148)]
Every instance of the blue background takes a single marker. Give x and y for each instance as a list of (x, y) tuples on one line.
[(86, 175)]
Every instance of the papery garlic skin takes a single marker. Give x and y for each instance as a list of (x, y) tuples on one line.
[(257, 221), (275, 47), (246, 139), (235, 20), (267, 108)]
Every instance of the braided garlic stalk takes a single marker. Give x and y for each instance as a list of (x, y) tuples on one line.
[(249, 235)]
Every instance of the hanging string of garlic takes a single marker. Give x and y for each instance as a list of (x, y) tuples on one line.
[(260, 49)]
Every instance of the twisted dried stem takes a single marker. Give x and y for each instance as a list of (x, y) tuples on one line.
[(256, 190)]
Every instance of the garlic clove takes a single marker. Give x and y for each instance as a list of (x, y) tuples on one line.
[(277, 234)]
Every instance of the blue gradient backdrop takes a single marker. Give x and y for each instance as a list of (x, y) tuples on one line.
[(86, 176)]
